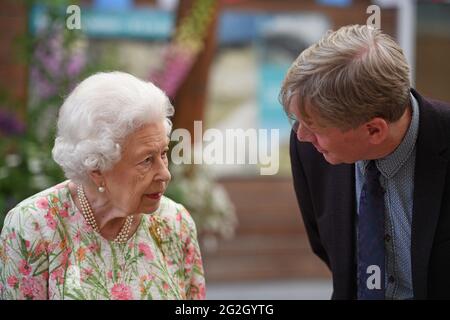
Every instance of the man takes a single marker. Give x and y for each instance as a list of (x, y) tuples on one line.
[(370, 163)]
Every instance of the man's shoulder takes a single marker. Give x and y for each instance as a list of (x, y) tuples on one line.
[(439, 106), (434, 117), (433, 106)]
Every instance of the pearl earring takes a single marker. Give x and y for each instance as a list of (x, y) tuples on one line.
[(101, 189)]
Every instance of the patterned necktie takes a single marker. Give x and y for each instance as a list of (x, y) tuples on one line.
[(371, 267)]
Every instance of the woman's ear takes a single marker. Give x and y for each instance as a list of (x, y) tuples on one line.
[(377, 130), (97, 177)]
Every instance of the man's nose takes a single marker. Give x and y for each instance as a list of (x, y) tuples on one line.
[(304, 135)]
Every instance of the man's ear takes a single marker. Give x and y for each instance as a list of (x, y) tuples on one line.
[(97, 177), (377, 130)]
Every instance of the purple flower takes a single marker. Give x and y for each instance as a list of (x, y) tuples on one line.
[(76, 64), (10, 125), (43, 87), (178, 62), (55, 64)]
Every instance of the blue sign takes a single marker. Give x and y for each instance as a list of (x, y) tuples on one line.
[(271, 113), (145, 23), (113, 4), (337, 3)]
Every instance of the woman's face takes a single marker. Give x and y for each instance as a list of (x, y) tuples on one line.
[(136, 183)]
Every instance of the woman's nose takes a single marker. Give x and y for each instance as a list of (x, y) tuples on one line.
[(163, 173)]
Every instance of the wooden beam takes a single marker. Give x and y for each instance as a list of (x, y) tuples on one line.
[(190, 99), (13, 71)]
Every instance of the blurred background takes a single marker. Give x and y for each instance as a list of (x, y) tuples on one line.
[(221, 62)]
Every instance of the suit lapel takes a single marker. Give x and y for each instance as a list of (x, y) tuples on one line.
[(343, 216), (429, 179), (333, 190)]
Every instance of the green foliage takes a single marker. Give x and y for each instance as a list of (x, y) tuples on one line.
[(206, 200), (57, 60)]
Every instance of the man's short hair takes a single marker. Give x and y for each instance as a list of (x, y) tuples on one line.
[(349, 77)]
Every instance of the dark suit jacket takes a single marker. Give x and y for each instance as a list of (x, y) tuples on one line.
[(326, 196)]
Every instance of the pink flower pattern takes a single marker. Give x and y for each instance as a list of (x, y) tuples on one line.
[(121, 292), (64, 213), (51, 222), (146, 251), (58, 276), (24, 267), (30, 288), (13, 281), (42, 203), (42, 236)]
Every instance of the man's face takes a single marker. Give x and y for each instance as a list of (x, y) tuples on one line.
[(336, 146)]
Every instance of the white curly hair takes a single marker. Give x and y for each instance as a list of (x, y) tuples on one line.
[(97, 116)]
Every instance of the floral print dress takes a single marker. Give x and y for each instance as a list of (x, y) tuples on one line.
[(48, 251)]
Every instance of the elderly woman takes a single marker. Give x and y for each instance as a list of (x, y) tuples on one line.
[(107, 232)]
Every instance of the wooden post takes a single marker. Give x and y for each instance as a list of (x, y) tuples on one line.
[(190, 99), (13, 71)]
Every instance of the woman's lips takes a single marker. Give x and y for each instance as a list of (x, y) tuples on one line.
[(154, 196)]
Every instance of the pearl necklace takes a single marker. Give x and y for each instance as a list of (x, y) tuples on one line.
[(88, 214)]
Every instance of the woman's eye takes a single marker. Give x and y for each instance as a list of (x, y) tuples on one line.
[(164, 155), (148, 160)]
